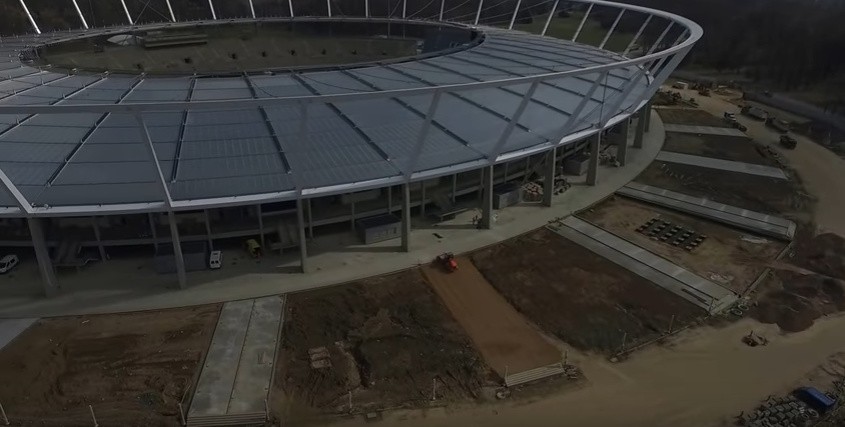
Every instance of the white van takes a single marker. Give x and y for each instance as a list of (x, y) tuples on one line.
[(215, 260), (8, 263)]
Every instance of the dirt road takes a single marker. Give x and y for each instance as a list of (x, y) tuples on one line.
[(822, 172), (505, 339)]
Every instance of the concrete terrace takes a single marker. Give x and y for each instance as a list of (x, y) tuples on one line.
[(121, 285)]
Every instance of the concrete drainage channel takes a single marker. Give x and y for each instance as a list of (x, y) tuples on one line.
[(247, 338)]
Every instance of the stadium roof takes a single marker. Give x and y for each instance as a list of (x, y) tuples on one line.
[(91, 158)]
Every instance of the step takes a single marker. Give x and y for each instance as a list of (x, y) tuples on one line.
[(228, 420), (534, 374)]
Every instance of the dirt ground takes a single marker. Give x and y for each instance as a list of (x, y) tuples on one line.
[(734, 148), (132, 368), (508, 343), (689, 116), (757, 193), (729, 257), (578, 296), (388, 338)]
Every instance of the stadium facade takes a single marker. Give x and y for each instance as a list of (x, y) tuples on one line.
[(102, 158)]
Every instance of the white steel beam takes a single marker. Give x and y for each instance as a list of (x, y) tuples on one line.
[(148, 142), (328, 7), (31, 19), (213, 13), (290, 6), (549, 18), (367, 8), (515, 12), (583, 21), (442, 5), (252, 9), (404, 8), (478, 13), (14, 193), (172, 15), (612, 29), (636, 36), (79, 12), (429, 116), (608, 113), (126, 10), (571, 121), (503, 138)]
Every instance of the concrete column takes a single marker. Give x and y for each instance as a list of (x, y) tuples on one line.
[(352, 216), (406, 217), (300, 226), (454, 188), (151, 219), (647, 115), (422, 199), (622, 143), (310, 221), (45, 264), (99, 238), (640, 130), (487, 198), (390, 199), (177, 251), (549, 184), (593, 168), (208, 230), (260, 225)]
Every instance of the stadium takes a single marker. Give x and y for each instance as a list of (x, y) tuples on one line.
[(180, 135)]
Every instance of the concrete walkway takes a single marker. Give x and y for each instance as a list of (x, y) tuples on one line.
[(756, 222), (704, 130), (334, 259), (11, 328), (699, 291), (725, 165)]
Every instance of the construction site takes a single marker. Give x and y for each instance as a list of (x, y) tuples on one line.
[(666, 251)]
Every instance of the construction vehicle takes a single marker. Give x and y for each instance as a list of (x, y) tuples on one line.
[(447, 261), (788, 142), (253, 248)]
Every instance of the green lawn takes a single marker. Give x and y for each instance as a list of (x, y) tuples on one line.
[(564, 28)]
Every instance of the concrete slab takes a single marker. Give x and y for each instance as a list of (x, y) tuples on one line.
[(255, 369), (760, 223), (704, 130), (11, 328), (727, 165), (689, 286), (214, 388)]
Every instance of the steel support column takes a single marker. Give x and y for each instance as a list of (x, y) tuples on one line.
[(208, 229), (454, 188), (300, 226), (406, 217), (593, 167), (260, 225), (45, 264), (95, 224), (310, 220), (622, 143), (640, 130), (515, 12), (487, 198), (31, 19), (549, 18), (177, 251), (647, 116), (173, 15), (422, 199), (213, 13), (153, 232), (79, 12), (126, 10), (478, 13), (549, 183)]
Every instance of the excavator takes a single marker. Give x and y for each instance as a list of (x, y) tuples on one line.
[(447, 261)]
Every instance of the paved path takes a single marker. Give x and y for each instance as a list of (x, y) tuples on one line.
[(726, 165), (11, 328), (505, 339), (239, 366), (661, 272), (704, 130), (120, 285), (760, 223)]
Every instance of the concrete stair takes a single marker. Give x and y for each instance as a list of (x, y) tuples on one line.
[(534, 374), (252, 419)]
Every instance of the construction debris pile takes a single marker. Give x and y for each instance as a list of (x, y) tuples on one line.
[(779, 412)]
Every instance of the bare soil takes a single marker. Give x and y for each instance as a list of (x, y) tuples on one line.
[(509, 344), (689, 116), (724, 257), (389, 338), (132, 368), (757, 193), (739, 149), (578, 296)]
